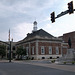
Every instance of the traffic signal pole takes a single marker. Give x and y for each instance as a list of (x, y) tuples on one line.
[(63, 13), (70, 11)]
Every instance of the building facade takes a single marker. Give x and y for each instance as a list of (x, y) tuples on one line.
[(13, 49), (39, 44), (70, 35), (42, 45)]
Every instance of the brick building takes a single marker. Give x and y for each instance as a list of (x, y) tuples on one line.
[(70, 35), (41, 45)]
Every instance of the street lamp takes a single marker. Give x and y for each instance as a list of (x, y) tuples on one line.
[(10, 51)]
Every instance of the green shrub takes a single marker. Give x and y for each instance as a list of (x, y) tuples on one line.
[(73, 62), (64, 62), (53, 61)]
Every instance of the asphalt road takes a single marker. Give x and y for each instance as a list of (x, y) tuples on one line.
[(28, 69)]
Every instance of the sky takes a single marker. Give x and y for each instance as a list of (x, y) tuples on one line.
[(19, 15)]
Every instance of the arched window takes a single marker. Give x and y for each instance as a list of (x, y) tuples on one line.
[(57, 50), (42, 50)]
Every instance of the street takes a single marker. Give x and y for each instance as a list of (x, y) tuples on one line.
[(29, 69)]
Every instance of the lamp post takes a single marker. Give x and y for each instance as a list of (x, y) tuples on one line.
[(9, 47), (10, 52), (61, 50)]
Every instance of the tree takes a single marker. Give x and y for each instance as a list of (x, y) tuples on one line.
[(2, 51), (20, 51)]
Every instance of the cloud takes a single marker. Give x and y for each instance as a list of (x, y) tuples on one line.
[(24, 6), (21, 30), (4, 36), (18, 15), (62, 25), (24, 10), (47, 27)]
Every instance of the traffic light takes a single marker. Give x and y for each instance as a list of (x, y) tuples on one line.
[(53, 17), (70, 7)]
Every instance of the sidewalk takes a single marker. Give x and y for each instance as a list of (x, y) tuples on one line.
[(4, 61), (57, 66), (50, 65), (44, 64)]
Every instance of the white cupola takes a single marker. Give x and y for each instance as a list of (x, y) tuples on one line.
[(35, 26)]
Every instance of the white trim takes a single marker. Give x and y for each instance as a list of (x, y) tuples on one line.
[(46, 56), (64, 47), (27, 50), (44, 41), (32, 49), (37, 47), (50, 41)]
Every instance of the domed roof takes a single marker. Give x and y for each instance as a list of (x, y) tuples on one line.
[(35, 23)]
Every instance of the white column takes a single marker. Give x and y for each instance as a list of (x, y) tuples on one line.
[(61, 50), (36, 49), (29, 49)]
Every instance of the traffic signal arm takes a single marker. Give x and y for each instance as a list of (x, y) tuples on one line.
[(70, 11), (62, 14)]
